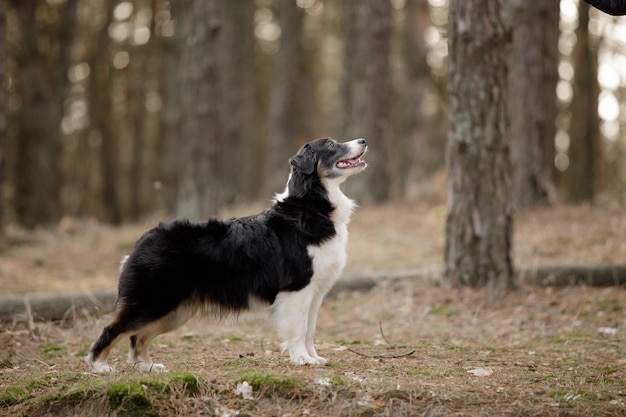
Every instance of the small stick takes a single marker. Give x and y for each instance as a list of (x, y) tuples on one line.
[(409, 353), (36, 360), (391, 345)]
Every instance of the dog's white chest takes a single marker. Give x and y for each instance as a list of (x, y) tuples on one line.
[(329, 259)]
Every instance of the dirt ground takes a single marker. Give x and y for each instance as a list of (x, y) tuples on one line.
[(405, 348)]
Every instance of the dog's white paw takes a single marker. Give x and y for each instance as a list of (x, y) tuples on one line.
[(320, 360), (150, 367), (98, 367), (306, 359), (101, 368)]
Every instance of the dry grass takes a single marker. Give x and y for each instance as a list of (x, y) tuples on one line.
[(547, 352)]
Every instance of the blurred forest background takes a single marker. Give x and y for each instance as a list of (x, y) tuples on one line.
[(102, 114)]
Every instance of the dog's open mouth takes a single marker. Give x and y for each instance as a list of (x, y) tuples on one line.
[(351, 163)]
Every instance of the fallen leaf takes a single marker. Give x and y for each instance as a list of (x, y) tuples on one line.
[(481, 371), (325, 382), (245, 390), (611, 331)]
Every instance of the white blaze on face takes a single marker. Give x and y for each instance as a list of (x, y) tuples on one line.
[(354, 162)]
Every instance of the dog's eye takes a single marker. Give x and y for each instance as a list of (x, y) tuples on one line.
[(331, 145)]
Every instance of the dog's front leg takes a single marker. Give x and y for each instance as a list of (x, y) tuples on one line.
[(290, 314), (316, 303)]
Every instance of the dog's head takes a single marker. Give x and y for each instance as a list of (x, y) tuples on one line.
[(330, 159), (324, 161)]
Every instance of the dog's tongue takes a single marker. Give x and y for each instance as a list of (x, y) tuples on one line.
[(349, 162)]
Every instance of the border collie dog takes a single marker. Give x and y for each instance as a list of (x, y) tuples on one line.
[(288, 257)]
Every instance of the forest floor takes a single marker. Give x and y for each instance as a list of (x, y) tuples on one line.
[(405, 348)]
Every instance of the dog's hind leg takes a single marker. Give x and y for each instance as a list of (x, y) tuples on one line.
[(138, 355), (99, 351)]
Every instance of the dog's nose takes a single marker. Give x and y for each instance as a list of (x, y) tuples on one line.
[(361, 142)]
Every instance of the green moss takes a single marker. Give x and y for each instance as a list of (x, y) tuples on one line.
[(458, 348), (50, 349), (13, 395), (420, 372), (130, 399), (16, 394), (33, 384), (337, 364), (79, 392), (190, 383), (596, 240), (271, 382), (336, 381), (611, 305), (349, 342), (154, 385), (235, 339), (443, 311)]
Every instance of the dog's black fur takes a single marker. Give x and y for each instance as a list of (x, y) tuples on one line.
[(220, 266)]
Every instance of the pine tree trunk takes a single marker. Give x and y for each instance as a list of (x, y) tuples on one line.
[(284, 104), (479, 226), (579, 179), (3, 99), (101, 120), (418, 150), (533, 77), (237, 71), (42, 84), (366, 94), (200, 144)]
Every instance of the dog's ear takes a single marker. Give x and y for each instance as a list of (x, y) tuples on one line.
[(305, 160)]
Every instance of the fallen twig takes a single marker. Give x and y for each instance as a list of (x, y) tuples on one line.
[(400, 355), (36, 360), (391, 345)]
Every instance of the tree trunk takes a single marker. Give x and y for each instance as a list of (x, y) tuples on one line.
[(284, 114), (42, 86), (3, 99), (533, 76), (236, 76), (579, 179), (418, 150), (170, 84), (479, 225), (200, 144), (101, 120), (366, 93)]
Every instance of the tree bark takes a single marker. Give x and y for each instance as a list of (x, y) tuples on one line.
[(200, 138), (3, 99), (533, 76), (170, 84), (479, 225), (418, 149), (578, 180), (101, 120), (366, 93), (284, 114), (42, 85), (237, 70)]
